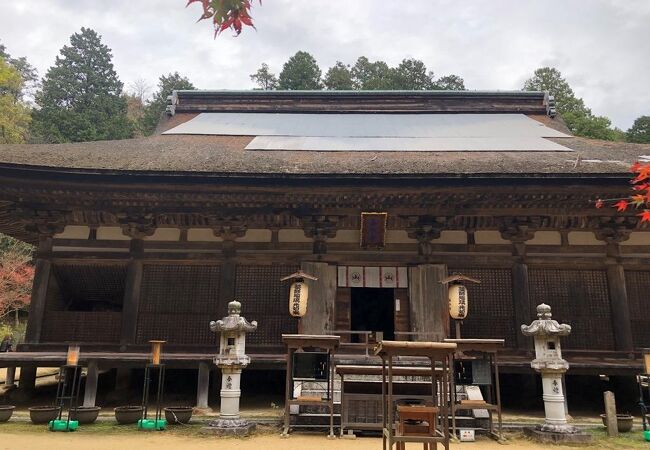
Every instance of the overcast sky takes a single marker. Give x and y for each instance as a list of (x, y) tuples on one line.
[(601, 46)]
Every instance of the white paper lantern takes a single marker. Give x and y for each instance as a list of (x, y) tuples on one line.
[(458, 301), (298, 296)]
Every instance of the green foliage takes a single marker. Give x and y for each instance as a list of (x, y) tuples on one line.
[(411, 74), (14, 114), (264, 79), (450, 83), (300, 72), (576, 115), (640, 131), (81, 98), (338, 78), (27, 72), (156, 106), (371, 76)]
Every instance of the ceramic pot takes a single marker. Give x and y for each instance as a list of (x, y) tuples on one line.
[(128, 414), (624, 422), (43, 414), (85, 414), (178, 414), (5, 412)]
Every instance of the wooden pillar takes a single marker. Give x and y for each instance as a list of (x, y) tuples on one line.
[(523, 308), (27, 380), (10, 378), (428, 301), (131, 303), (319, 318), (90, 391), (203, 386), (227, 283), (42, 275), (621, 323)]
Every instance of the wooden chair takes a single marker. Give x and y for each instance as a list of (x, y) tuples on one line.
[(425, 416)]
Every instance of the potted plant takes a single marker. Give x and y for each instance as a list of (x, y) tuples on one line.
[(178, 414), (623, 422), (85, 414), (128, 414), (43, 414), (5, 412)]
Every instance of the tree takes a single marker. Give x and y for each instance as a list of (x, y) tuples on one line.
[(449, 83), (640, 131), (264, 79), (411, 74), (369, 76), (156, 106), (16, 275), (338, 78), (576, 115), (300, 72), (81, 98), (14, 114), (226, 14), (27, 72)]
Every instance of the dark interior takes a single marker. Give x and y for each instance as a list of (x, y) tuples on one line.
[(372, 310)]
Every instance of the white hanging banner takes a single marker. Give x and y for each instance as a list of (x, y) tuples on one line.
[(372, 276)]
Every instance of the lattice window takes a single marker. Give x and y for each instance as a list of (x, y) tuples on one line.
[(579, 298), (264, 298), (80, 287), (178, 302), (82, 326), (491, 307), (638, 283)]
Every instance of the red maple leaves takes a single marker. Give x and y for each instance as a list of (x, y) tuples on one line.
[(641, 198), (226, 14), (16, 275)]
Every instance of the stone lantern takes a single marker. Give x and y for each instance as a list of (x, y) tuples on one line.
[(231, 360), (548, 361)]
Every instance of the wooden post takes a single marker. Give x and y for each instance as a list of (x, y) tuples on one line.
[(227, 283), (522, 306), (429, 302), (90, 391), (42, 274), (621, 323), (27, 380), (132, 296), (10, 378), (610, 412), (319, 318), (203, 386)]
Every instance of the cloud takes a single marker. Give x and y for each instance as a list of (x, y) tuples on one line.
[(601, 46)]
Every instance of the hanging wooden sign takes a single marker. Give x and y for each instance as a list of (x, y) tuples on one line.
[(458, 301), (373, 229), (298, 297)]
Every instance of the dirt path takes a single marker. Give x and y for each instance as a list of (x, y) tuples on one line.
[(61, 441)]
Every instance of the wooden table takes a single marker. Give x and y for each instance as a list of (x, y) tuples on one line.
[(294, 343), (468, 349), (437, 352)]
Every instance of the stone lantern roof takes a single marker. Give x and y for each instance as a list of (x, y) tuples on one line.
[(544, 325), (233, 321)]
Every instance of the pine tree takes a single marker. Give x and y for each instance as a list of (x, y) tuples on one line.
[(264, 78), (156, 106), (338, 78), (81, 97)]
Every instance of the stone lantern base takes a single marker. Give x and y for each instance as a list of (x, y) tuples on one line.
[(569, 435), (229, 427)]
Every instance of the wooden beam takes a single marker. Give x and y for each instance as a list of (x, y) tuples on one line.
[(621, 323), (132, 289), (428, 301), (319, 318), (90, 391), (522, 305), (42, 275)]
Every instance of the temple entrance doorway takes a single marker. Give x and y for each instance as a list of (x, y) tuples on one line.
[(372, 309)]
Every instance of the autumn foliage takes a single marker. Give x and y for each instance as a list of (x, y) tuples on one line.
[(226, 14), (640, 199), (16, 275)]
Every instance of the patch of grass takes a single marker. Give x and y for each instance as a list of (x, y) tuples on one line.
[(633, 439)]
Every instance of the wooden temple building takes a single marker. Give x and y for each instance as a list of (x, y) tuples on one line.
[(379, 195)]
